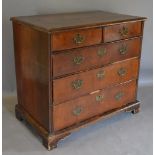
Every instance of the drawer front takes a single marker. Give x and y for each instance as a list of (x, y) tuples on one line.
[(74, 111), (122, 31), (75, 38), (88, 57), (76, 85)]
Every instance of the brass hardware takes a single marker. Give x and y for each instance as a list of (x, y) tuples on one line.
[(77, 111), (124, 31), (123, 49), (78, 60), (121, 72), (77, 84), (100, 74), (102, 52), (78, 39), (119, 95), (99, 98)]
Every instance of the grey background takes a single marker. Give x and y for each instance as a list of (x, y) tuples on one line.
[(124, 138), (32, 7)]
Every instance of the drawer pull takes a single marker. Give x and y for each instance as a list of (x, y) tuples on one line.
[(101, 74), (77, 111), (77, 84), (119, 95), (78, 60), (124, 31), (121, 72), (102, 52), (99, 98), (123, 49), (79, 39)]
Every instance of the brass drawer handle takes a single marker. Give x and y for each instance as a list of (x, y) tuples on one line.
[(121, 71), (124, 31), (78, 60), (123, 49), (77, 111), (77, 84), (99, 98), (119, 96), (102, 52), (100, 74), (79, 39)]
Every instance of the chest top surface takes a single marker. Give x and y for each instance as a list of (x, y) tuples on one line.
[(52, 22)]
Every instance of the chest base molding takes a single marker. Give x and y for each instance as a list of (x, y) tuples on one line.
[(50, 141)]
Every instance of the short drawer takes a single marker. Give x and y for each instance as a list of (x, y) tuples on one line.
[(75, 38), (79, 84), (77, 110), (122, 31), (89, 57)]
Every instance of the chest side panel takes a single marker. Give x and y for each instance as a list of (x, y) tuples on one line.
[(32, 72)]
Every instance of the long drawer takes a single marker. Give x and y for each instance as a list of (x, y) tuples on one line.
[(88, 57), (82, 108), (76, 85)]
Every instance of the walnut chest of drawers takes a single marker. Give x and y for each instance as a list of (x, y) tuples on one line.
[(74, 69)]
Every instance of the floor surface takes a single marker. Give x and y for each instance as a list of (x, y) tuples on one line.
[(123, 134)]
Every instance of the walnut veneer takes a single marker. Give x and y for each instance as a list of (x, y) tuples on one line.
[(74, 69)]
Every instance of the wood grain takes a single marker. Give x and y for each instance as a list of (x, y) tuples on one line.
[(65, 21), (63, 115), (92, 58), (63, 86), (32, 72), (65, 40), (73, 69), (112, 33)]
